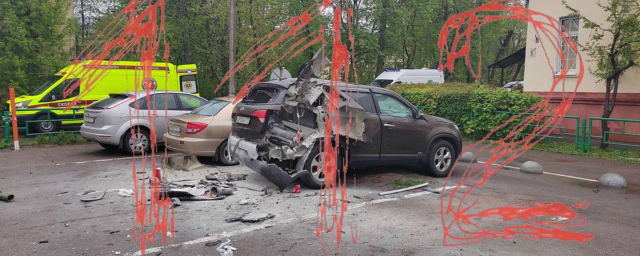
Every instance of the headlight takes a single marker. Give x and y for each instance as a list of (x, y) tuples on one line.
[(456, 126), (23, 104)]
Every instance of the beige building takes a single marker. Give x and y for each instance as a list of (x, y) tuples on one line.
[(589, 100)]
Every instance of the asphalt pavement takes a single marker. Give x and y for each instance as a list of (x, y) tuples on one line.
[(47, 217)]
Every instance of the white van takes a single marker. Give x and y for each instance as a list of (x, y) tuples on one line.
[(408, 76)]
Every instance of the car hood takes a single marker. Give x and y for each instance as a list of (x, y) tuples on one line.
[(441, 120)]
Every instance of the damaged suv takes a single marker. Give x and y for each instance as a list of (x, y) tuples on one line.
[(277, 128)]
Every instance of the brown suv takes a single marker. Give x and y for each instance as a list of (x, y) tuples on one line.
[(278, 137)]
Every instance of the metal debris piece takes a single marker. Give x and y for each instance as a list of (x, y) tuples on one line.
[(125, 192), (176, 202), (251, 217), (213, 243), (221, 191), (227, 177), (226, 249), (92, 196), (403, 189), (6, 197)]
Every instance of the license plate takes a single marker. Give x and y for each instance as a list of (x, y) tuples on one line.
[(242, 120), (175, 129), (88, 119)]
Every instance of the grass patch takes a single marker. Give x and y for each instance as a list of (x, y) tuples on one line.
[(414, 179), (612, 154), (3, 143), (59, 139)]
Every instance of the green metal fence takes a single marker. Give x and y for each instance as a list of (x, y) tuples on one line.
[(563, 135), (51, 117), (605, 137)]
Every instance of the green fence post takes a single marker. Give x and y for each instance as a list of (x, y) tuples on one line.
[(584, 134), (577, 132), (589, 132), (7, 133)]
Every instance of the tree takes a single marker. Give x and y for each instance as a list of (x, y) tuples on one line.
[(33, 35), (614, 47)]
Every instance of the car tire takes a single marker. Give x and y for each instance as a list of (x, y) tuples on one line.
[(144, 144), (224, 155), (45, 127), (109, 146), (315, 178), (441, 158)]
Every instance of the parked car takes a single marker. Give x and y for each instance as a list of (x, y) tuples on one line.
[(514, 86), (280, 140), (408, 76), (109, 121), (204, 131)]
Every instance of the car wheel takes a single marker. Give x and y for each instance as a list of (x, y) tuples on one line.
[(224, 155), (109, 146), (441, 158), (45, 126), (315, 178), (141, 141)]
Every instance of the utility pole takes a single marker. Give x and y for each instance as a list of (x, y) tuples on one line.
[(232, 46)]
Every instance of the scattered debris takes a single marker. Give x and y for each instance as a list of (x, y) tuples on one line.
[(357, 197), (176, 202), (250, 201), (403, 189), (6, 197), (226, 249), (125, 192), (314, 194), (251, 217), (90, 196), (226, 177), (113, 232), (296, 189), (44, 242)]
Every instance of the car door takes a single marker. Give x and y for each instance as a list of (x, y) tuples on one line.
[(403, 135), (367, 150), (165, 105)]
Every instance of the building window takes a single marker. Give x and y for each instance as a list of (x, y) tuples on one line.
[(570, 27)]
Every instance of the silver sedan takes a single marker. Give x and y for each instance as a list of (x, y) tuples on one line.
[(123, 120)]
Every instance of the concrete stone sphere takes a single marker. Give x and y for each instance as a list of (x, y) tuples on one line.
[(468, 157), (612, 180), (532, 167)]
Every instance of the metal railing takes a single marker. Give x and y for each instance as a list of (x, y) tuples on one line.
[(605, 136), (51, 117)]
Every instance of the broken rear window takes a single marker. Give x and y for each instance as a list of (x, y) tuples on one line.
[(262, 95)]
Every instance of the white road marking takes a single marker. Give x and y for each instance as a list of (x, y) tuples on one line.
[(107, 160), (569, 176), (550, 173), (286, 221)]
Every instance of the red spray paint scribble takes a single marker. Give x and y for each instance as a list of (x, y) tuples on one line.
[(275, 43), (138, 29), (460, 224)]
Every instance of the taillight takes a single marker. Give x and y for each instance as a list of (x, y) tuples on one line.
[(260, 114), (195, 127)]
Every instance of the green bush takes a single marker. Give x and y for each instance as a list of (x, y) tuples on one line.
[(471, 106)]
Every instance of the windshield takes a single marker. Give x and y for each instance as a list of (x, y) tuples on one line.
[(46, 85), (210, 109), (381, 83)]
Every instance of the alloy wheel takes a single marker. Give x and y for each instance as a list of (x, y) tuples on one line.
[(442, 159)]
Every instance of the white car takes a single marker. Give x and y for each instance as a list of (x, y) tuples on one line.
[(408, 76), (109, 121)]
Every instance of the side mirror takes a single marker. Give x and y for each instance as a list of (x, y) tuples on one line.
[(418, 114)]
